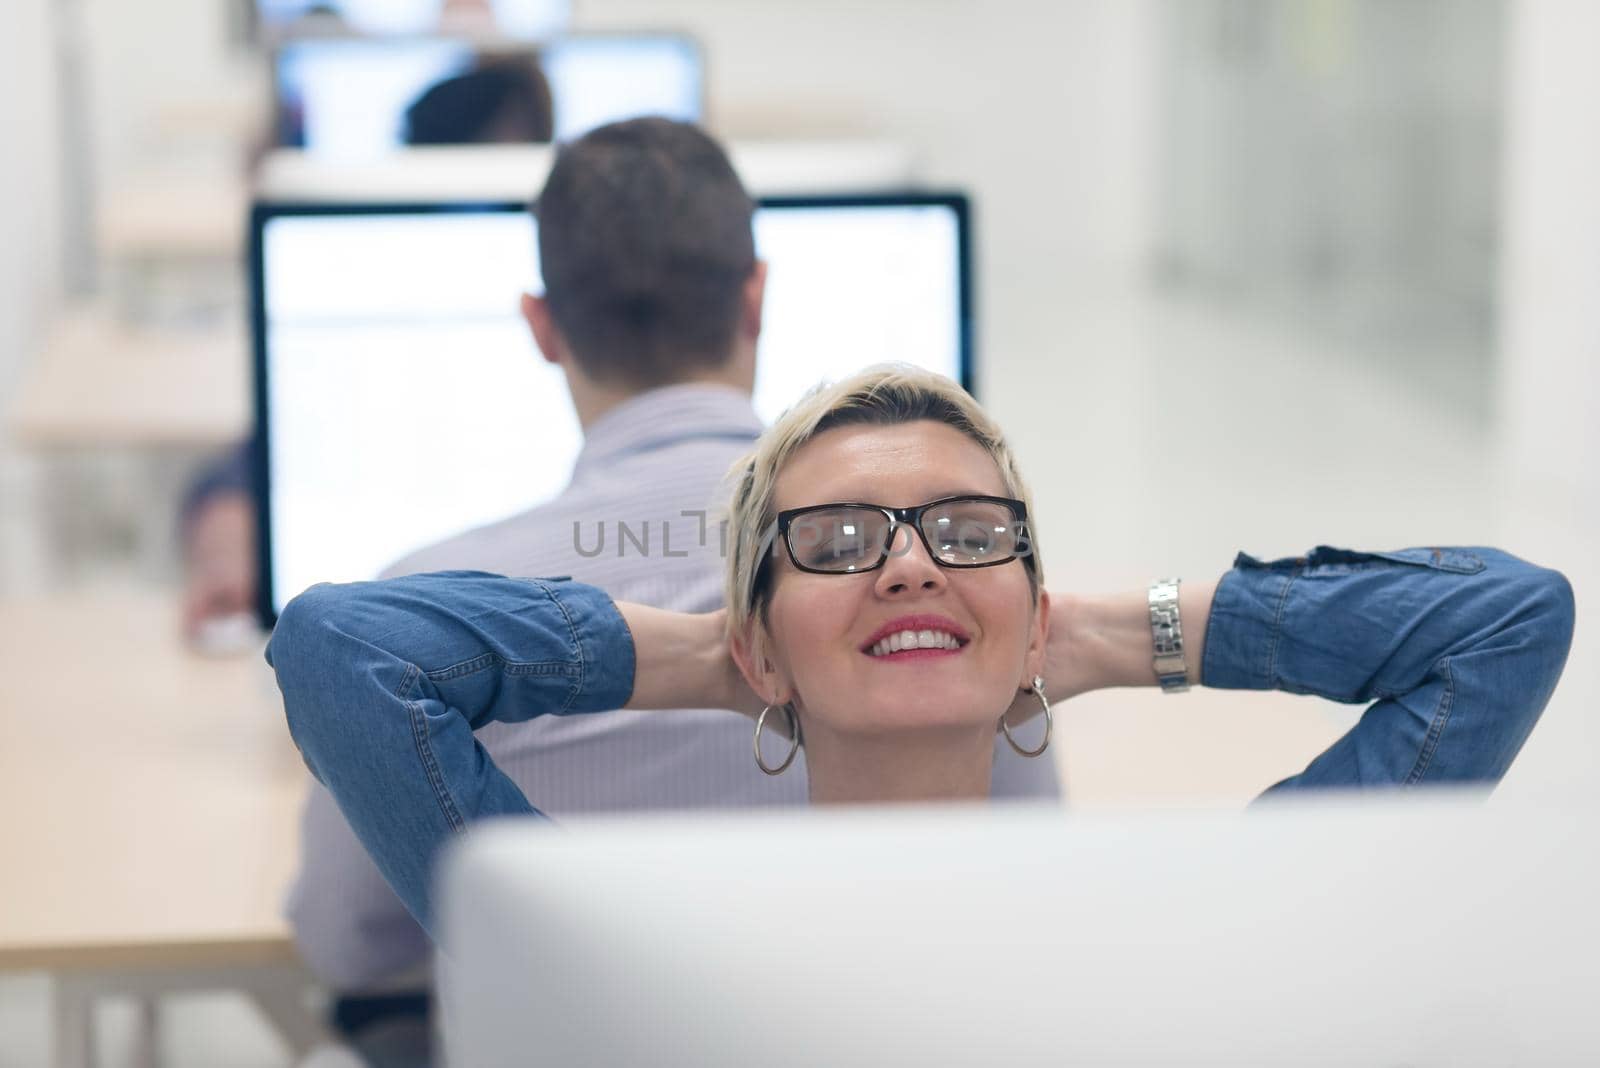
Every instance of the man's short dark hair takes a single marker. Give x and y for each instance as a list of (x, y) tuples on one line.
[(501, 101), (645, 246)]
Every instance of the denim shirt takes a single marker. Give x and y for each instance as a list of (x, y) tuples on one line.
[(1458, 651)]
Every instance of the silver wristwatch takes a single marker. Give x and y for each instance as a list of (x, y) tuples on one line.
[(1166, 632)]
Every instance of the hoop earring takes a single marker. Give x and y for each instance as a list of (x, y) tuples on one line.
[(1038, 691), (794, 745)]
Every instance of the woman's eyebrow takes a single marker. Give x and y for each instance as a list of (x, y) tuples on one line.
[(965, 491), (876, 497)]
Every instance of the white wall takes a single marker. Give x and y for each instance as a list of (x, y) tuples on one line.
[(30, 278), (29, 208), (158, 69), (1550, 285), (1549, 359)]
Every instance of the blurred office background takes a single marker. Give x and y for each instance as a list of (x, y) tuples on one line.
[(1251, 275)]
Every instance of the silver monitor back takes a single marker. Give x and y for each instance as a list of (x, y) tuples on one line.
[(1378, 932)]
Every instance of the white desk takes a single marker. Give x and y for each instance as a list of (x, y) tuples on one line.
[(153, 800), (98, 382), (516, 172), (173, 216)]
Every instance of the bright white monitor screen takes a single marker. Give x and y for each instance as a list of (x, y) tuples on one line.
[(599, 79), (522, 19), (404, 401), (348, 97)]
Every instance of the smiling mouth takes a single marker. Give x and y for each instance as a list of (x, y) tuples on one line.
[(916, 645)]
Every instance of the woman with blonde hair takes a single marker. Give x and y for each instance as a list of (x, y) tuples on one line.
[(887, 611)]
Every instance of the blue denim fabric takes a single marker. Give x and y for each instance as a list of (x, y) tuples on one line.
[(384, 682), (1459, 649)]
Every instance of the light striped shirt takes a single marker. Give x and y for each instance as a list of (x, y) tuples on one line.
[(641, 520)]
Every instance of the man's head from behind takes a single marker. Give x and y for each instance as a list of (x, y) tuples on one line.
[(504, 101), (648, 259)]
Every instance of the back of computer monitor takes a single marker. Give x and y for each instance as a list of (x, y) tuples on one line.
[(1387, 933)]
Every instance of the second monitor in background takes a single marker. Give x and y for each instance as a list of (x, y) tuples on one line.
[(348, 96), (400, 399)]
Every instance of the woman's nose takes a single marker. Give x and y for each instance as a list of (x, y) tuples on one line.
[(909, 566)]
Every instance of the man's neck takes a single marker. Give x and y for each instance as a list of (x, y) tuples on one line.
[(593, 400), (933, 765)]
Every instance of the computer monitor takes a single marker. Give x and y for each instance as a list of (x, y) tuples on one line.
[(529, 20), (347, 97), (1369, 931), (400, 398)]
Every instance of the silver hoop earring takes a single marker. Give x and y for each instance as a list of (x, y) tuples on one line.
[(1038, 691), (794, 744)]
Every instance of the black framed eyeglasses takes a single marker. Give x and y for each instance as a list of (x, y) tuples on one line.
[(958, 532)]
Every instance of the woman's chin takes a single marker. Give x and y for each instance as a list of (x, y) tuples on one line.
[(911, 708)]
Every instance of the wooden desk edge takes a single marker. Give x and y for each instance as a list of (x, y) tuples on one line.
[(136, 956)]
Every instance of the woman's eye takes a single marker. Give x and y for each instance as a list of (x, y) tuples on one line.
[(841, 547), (975, 537), (977, 541), (971, 542), (833, 542)]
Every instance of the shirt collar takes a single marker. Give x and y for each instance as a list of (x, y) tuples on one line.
[(666, 416)]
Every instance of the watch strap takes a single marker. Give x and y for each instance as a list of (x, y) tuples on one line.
[(1166, 634)]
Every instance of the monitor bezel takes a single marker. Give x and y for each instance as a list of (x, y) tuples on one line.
[(264, 212)]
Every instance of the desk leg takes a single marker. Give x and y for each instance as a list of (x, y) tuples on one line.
[(74, 1023), (278, 990), (284, 1005), (147, 1034)]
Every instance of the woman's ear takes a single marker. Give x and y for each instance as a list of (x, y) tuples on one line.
[(1038, 638), (750, 652)]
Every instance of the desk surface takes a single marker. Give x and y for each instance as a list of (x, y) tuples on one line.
[(151, 796), (98, 382)]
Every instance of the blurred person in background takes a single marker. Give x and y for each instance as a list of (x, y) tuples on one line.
[(217, 531), (503, 101), (652, 311)]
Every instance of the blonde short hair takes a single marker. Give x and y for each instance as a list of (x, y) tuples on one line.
[(882, 395)]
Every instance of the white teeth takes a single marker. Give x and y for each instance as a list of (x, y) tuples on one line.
[(914, 639)]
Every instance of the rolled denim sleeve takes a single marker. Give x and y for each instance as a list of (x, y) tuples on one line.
[(1458, 649), (384, 682)]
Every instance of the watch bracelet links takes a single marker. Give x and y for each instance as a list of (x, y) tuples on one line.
[(1166, 633)]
